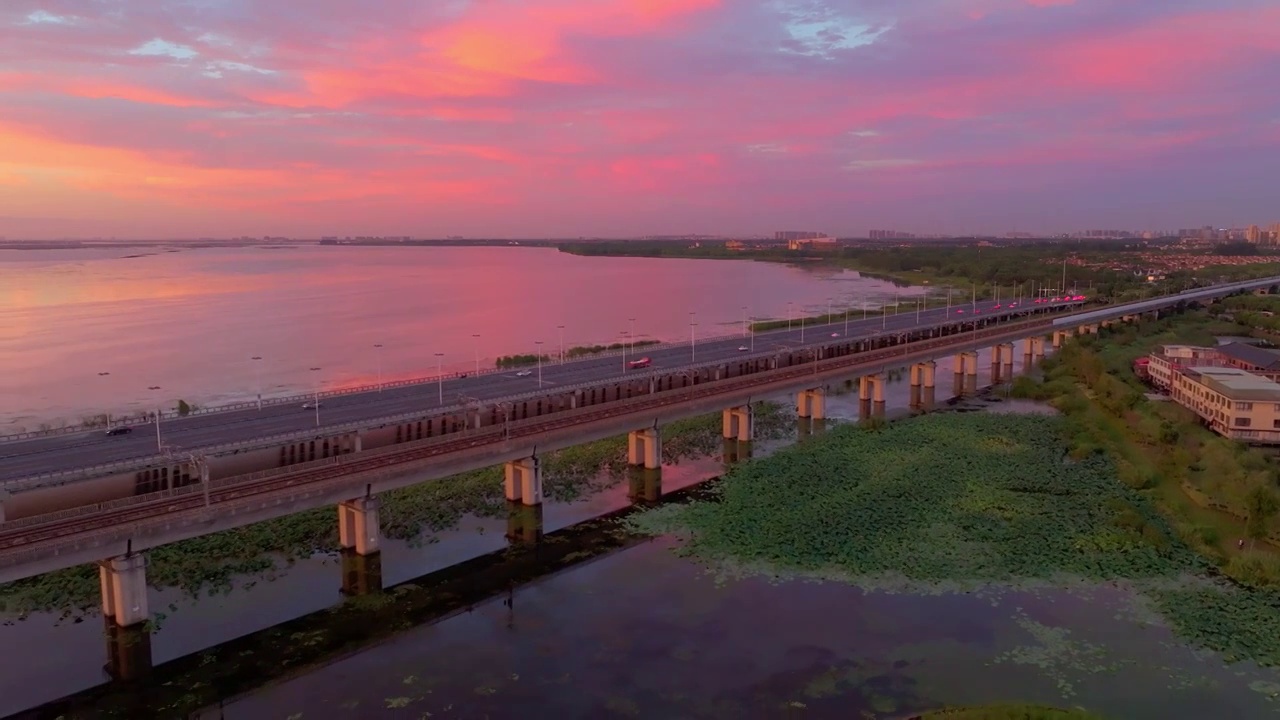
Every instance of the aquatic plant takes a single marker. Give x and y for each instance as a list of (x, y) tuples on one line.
[(951, 502)]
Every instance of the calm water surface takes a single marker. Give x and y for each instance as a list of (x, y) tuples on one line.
[(190, 320)]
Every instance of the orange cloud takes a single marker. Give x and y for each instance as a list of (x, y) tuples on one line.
[(98, 89)]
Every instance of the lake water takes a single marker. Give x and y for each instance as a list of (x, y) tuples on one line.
[(190, 320)]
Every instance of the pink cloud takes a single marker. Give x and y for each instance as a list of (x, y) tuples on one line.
[(409, 112)]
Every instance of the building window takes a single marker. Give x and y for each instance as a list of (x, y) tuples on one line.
[(1243, 422), (1275, 424), (1244, 406)]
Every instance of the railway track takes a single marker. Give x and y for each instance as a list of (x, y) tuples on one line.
[(193, 499)]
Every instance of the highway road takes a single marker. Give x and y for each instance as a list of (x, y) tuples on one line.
[(26, 458)]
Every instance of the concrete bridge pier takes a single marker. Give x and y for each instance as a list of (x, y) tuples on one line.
[(522, 481), (361, 574), (1035, 349), (808, 427), (970, 360), (644, 485), (128, 650), (997, 363), (812, 403), (358, 527), (1060, 338), (1006, 358), (524, 524), (644, 447), (123, 580), (739, 423)]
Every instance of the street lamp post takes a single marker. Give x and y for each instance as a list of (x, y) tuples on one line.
[(624, 352), (788, 316), (846, 320), (108, 411), (440, 377), (752, 329), (378, 347), (631, 331), (744, 320), (316, 404), (802, 319), (828, 311), (475, 346), (693, 339), (159, 443), (538, 344), (257, 365), (561, 329)]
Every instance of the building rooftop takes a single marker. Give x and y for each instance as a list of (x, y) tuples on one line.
[(1237, 384), (1261, 358)]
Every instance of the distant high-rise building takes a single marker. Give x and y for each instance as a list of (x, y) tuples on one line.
[(1253, 234)]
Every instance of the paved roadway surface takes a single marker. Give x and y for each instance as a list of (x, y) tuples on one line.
[(26, 458)]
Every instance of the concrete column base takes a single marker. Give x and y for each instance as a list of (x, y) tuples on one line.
[(644, 447), (522, 481), (358, 527), (739, 423), (123, 581)]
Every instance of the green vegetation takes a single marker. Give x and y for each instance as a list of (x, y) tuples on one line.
[(1007, 712), (951, 502), (214, 562), (1103, 270), (184, 409), (512, 361)]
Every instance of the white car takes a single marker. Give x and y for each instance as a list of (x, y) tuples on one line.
[(835, 334), (310, 405), (524, 373), (743, 348)]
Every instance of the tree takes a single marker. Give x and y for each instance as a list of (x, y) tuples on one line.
[(1261, 505), (183, 408)]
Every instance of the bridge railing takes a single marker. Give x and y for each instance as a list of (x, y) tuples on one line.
[(141, 462), (566, 418)]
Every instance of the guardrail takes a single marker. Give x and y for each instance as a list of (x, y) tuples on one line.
[(419, 449), (137, 463)]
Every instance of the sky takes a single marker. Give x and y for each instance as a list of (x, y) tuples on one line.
[(565, 118)]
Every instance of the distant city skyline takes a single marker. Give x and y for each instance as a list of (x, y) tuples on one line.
[(617, 118)]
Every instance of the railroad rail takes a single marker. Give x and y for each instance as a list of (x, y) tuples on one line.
[(64, 531)]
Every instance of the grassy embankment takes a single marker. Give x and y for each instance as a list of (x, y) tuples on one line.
[(1207, 485), (949, 501), (214, 562), (511, 361)]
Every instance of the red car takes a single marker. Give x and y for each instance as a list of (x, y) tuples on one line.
[(641, 363)]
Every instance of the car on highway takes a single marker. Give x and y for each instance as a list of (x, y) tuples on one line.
[(743, 348), (524, 373), (643, 362), (119, 430), (311, 405)]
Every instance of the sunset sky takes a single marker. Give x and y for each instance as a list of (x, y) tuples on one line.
[(151, 118)]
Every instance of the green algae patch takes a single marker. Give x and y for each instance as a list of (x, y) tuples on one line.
[(1007, 712), (950, 503)]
